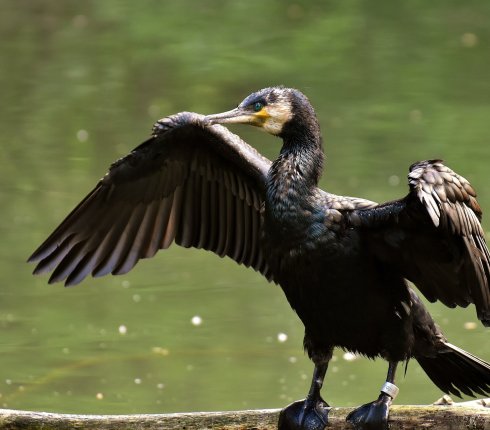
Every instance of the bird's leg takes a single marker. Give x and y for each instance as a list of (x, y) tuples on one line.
[(314, 398), (374, 415), (310, 413)]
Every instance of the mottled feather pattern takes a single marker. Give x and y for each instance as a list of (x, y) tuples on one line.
[(434, 237), (447, 196), (345, 203), (451, 203)]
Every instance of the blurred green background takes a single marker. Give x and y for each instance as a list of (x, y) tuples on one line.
[(82, 83)]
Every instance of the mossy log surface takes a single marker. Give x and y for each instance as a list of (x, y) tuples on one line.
[(453, 416)]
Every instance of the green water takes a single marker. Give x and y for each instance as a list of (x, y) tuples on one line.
[(82, 83)]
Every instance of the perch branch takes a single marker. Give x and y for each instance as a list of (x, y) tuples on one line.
[(473, 415)]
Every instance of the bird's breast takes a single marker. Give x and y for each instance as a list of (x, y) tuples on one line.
[(297, 234)]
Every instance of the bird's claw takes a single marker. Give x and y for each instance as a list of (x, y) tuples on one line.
[(304, 415), (372, 416), (177, 120)]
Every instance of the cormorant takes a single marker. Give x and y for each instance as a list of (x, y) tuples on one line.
[(342, 262)]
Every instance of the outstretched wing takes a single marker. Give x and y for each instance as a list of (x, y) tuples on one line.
[(190, 184), (434, 237)]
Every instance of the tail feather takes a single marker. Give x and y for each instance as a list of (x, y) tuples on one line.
[(456, 371)]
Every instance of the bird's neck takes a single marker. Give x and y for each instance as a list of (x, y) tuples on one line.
[(294, 175)]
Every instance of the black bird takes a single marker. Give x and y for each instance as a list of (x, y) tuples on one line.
[(342, 262)]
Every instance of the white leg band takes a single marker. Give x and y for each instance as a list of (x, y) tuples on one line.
[(390, 389)]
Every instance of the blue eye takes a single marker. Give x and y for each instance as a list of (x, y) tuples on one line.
[(258, 106)]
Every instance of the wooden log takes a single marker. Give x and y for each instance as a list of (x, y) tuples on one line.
[(453, 416)]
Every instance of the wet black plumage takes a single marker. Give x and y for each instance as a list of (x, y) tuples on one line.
[(342, 262)]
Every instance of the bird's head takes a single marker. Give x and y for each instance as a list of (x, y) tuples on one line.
[(270, 109)]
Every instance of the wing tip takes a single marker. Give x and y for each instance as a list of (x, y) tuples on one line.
[(38, 270), (38, 254)]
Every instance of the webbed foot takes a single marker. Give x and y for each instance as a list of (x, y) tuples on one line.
[(372, 416), (304, 415)]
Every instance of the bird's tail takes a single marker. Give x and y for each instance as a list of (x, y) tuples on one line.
[(454, 371)]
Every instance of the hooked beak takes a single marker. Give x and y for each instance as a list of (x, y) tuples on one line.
[(234, 116)]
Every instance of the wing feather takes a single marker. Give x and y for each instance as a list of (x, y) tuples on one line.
[(434, 237), (204, 225), (214, 213), (49, 261), (198, 186), (109, 248), (120, 262)]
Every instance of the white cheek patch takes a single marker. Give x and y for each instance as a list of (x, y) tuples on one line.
[(279, 114)]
